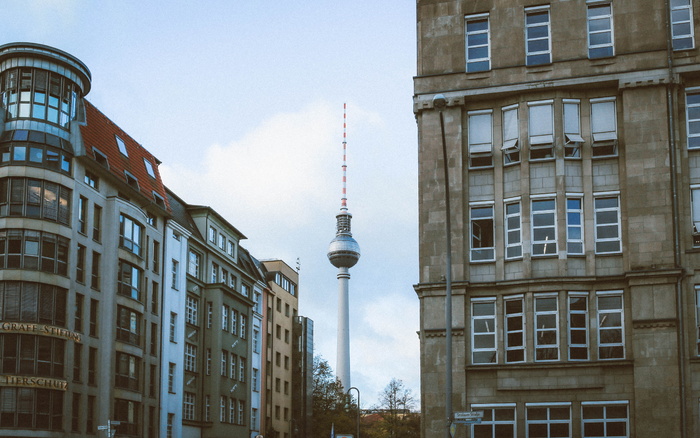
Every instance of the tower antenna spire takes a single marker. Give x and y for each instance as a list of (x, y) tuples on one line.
[(344, 199)]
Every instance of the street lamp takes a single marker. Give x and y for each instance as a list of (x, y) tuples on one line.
[(358, 409), (439, 103)]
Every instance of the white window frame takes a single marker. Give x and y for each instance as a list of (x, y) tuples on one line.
[(511, 134), (175, 274), (208, 364), (173, 327), (479, 230), (212, 234), (532, 56), (573, 243), (513, 228), (541, 316), (234, 321), (598, 213), (233, 359), (511, 327), (190, 357), (480, 138), (577, 322), (692, 117), (171, 377), (188, 406), (544, 244), (490, 325), (602, 316), (541, 129), (572, 128), (549, 421), (682, 16), (121, 145), (605, 420), (191, 310), (476, 63), (149, 168), (222, 409), (194, 262), (604, 25), (224, 317), (604, 127), (695, 213), (489, 425)]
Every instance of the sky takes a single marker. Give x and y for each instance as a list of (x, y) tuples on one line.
[(242, 101)]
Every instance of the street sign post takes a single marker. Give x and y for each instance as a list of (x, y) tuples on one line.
[(468, 417)]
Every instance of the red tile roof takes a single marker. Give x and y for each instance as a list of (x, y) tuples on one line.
[(100, 132)]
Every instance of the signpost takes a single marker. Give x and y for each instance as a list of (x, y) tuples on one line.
[(468, 417), (109, 427)]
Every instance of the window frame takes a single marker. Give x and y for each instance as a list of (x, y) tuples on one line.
[(492, 422), (570, 227), (692, 109), (540, 316), (510, 241), (605, 420), (535, 228), (604, 136), (571, 319), (541, 133), (601, 315), (606, 49), (511, 134), (573, 141), (675, 22), (549, 421), (479, 146), (476, 64), (513, 350), (535, 57), (482, 253), (598, 212), (490, 332)]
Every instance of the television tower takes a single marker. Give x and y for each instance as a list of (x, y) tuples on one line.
[(343, 253)]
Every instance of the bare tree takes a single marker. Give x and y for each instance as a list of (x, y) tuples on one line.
[(396, 403)]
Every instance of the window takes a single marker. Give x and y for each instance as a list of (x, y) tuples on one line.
[(190, 357), (232, 366), (482, 229), (175, 274), (91, 180), (77, 362), (155, 291), (39, 94), (541, 129), (480, 138), (544, 230), (128, 370), (572, 128), (607, 225), (695, 214), (95, 274), (212, 234), (156, 257), (484, 331), (191, 306), (512, 229), (208, 364), (36, 303), (75, 416), (222, 241), (610, 326), (33, 250), (214, 273), (34, 198), (129, 280), (129, 414), (121, 145), (574, 226), (600, 31), (537, 45), (605, 419), (692, 111), (94, 306), (80, 265), (92, 365), (131, 180), (231, 249), (224, 317), (682, 24), (26, 408), (234, 321), (546, 328), (188, 406), (232, 410), (171, 377), (498, 421), (210, 313), (477, 34), (173, 327), (149, 168), (551, 420), (130, 234), (224, 357), (100, 157), (511, 134), (128, 326), (241, 412), (243, 330), (604, 127), (578, 326), (194, 260), (241, 369), (154, 338), (515, 329), (254, 380), (78, 314), (207, 408), (97, 223)]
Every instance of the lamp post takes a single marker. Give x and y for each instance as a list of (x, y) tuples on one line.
[(358, 409), (439, 103)]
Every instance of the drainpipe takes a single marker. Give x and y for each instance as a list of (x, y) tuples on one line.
[(670, 107)]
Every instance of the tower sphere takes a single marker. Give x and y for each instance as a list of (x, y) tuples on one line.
[(344, 251)]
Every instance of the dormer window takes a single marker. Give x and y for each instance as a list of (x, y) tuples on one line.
[(100, 158), (149, 168), (159, 200), (121, 145), (131, 180)]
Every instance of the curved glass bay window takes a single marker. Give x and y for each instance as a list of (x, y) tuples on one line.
[(38, 94), (33, 250), (35, 149), (34, 198), (31, 408), (33, 303)]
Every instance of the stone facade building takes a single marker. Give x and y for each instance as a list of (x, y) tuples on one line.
[(573, 146)]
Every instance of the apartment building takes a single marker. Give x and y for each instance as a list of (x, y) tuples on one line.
[(571, 134)]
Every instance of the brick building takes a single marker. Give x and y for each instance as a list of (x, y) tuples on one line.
[(572, 131)]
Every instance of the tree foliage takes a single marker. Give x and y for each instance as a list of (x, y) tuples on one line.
[(332, 407)]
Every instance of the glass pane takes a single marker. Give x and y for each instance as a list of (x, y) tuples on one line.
[(482, 309), (610, 302)]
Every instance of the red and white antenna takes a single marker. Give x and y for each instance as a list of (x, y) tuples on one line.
[(344, 199)]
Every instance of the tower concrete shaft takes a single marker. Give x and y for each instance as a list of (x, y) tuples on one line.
[(343, 355)]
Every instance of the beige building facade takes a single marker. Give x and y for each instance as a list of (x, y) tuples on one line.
[(573, 150)]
